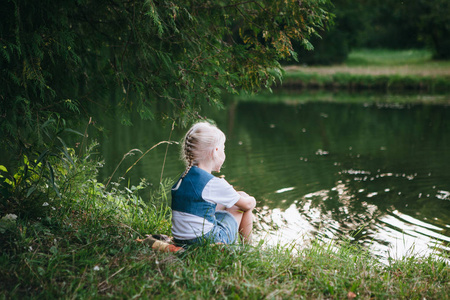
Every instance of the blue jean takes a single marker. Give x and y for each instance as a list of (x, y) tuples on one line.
[(225, 231)]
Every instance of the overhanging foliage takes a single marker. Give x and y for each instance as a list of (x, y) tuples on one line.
[(57, 56)]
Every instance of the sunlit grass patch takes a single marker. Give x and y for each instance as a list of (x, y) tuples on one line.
[(386, 57)]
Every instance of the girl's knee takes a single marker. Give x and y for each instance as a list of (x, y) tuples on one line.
[(236, 212)]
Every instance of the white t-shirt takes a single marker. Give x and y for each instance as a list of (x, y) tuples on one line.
[(186, 226)]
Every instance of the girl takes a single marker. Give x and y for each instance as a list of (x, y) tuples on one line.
[(206, 208)]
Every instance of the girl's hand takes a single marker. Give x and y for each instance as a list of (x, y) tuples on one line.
[(246, 202), (243, 194)]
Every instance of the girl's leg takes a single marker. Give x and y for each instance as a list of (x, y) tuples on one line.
[(246, 226), (244, 220)]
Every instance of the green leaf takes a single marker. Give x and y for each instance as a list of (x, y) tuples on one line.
[(73, 131), (64, 150), (30, 191), (52, 179), (41, 157)]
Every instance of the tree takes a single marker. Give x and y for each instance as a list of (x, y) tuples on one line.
[(412, 24), (160, 58), (433, 21), (387, 24), (337, 39), (58, 56)]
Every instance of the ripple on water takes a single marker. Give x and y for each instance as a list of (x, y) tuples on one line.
[(393, 234), (374, 175)]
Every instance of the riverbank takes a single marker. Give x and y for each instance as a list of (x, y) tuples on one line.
[(377, 70), (83, 244)]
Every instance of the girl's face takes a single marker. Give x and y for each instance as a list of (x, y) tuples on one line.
[(219, 157)]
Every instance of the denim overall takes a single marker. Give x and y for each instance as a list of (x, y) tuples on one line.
[(188, 199)]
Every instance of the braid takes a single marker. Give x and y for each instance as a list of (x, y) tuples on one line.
[(188, 153)]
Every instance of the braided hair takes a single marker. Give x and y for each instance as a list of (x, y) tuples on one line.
[(199, 142)]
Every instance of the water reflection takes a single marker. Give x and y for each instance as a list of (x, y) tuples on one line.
[(345, 170), (373, 173), (388, 234)]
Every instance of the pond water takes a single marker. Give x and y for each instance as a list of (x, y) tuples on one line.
[(377, 173)]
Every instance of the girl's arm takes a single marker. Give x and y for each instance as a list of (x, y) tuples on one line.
[(246, 202)]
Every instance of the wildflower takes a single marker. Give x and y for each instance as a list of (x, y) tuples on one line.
[(9, 217)]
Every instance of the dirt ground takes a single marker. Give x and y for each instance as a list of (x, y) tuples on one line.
[(431, 69)]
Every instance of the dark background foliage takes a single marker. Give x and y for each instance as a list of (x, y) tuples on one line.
[(381, 24)]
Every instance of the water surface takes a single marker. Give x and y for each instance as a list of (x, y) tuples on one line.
[(373, 172)]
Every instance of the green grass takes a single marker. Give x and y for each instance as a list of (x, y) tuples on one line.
[(368, 97), (380, 70), (361, 82), (384, 57), (83, 246)]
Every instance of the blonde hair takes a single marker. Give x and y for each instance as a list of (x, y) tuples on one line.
[(199, 143)]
